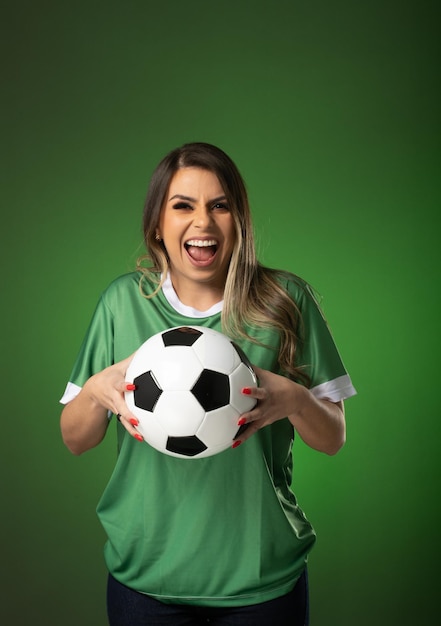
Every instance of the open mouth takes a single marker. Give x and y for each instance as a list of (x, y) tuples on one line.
[(201, 250)]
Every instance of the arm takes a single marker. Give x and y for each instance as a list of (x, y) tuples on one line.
[(84, 419), (320, 423)]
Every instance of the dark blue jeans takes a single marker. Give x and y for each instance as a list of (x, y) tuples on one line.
[(126, 607)]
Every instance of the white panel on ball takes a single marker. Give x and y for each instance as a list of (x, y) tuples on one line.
[(177, 368), (213, 354), (179, 413)]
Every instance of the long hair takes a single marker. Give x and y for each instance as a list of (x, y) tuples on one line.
[(253, 295)]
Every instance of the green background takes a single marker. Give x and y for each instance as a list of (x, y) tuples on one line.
[(331, 111)]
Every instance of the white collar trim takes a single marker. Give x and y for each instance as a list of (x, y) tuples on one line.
[(187, 311)]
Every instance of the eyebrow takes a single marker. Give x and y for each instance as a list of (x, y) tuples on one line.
[(189, 199)]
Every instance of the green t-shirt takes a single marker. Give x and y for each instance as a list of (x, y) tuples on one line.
[(225, 529)]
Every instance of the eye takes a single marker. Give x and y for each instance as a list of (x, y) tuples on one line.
[(182, 205), (220, 206)]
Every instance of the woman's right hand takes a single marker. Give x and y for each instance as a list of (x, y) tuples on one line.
[(84, 420), (107, 390)]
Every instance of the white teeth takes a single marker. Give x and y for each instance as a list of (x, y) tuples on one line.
[(201, 243)]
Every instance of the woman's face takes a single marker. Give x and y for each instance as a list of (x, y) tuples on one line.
[(197, 229)]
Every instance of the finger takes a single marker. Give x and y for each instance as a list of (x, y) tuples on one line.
[(130, 424), (256, 413), (119, 406), (246, 418), (245, 432), (133, 421), (123, 385), (124, 416), (254, 392)]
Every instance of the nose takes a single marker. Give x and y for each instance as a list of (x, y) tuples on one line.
[(202, 217)]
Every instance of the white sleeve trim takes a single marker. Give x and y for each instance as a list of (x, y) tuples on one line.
[(334, 390), (70, 393)]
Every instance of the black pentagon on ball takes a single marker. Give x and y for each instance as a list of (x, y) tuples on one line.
[(187, 446), (212, 390), (183, 336), (147, 391)]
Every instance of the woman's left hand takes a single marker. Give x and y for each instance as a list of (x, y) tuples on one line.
[(275, 397), (320, 423)]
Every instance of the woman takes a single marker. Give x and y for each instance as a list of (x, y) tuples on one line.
[(222, 539)]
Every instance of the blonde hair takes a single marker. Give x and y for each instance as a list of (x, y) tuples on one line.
[(253, 295)]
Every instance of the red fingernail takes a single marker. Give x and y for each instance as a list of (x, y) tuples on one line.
[(133, 421), (130, 387), (138, 437), (236, 443), (242, 421), (246, 391)]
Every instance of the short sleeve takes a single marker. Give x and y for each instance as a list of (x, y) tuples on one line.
[(318, 354), (96, 351)]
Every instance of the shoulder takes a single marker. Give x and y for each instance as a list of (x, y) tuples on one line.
[(294, 285), (122, 284), (131, 293), (124, 281), (132, 282), (304, 296), (127, 288)]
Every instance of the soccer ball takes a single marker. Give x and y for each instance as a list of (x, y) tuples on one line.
[(187, 395)]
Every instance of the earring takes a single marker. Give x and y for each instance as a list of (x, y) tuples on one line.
[(158, 237)]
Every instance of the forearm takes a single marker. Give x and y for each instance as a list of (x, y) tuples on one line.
[(83, 422), (320, 423)]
